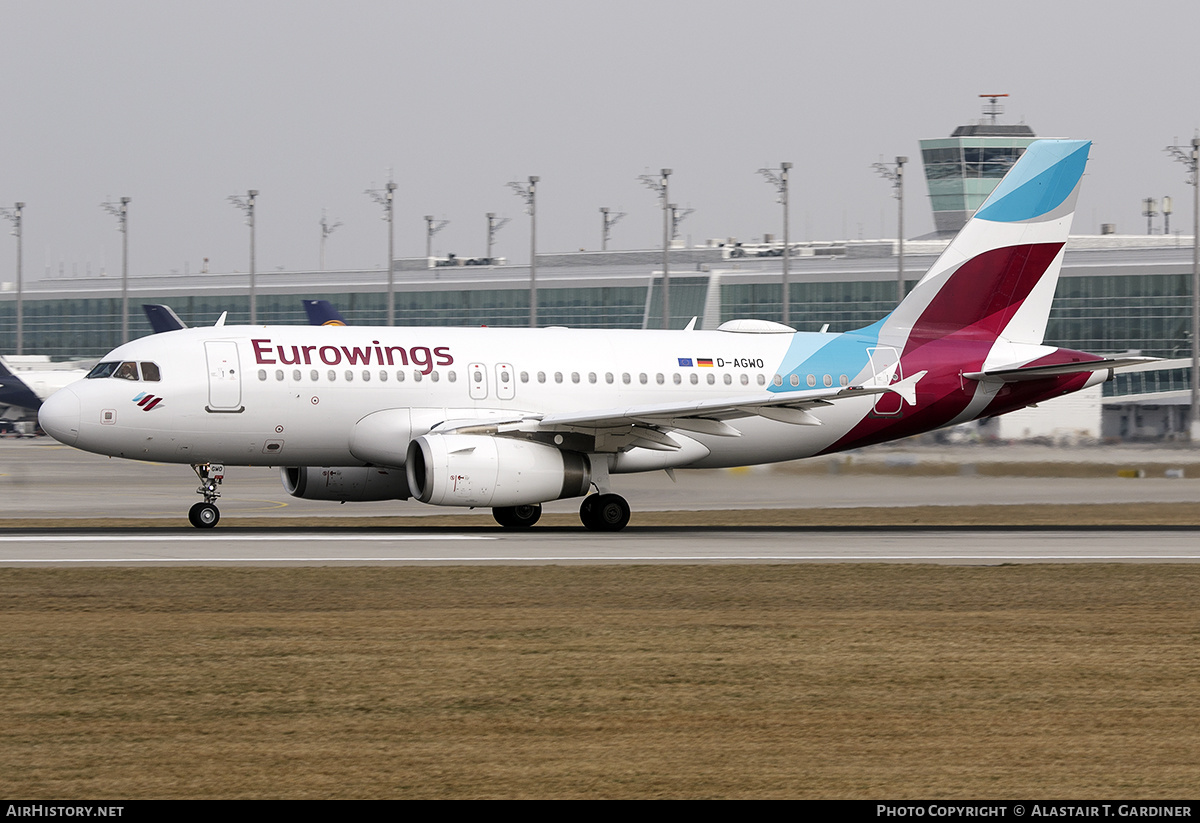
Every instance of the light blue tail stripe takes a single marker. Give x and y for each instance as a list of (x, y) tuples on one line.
[(1043, 178)]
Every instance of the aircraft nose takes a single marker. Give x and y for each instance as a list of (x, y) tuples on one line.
[(59, 416)]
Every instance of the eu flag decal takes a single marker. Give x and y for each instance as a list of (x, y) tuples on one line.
[(685, 361)]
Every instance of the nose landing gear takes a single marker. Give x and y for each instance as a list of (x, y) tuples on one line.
[(205, 515)]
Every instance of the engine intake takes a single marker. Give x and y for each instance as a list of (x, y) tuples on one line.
[(479, 470)]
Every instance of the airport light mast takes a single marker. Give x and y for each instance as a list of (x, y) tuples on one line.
[(246, 204), (327, 229), (780, 182), (609, 218), (529, 195), (895, 173), (432, 227), (678, 215), (386, 197), (13, 216), (1191, 161), (120, 210), (659, 186), (493, 226)]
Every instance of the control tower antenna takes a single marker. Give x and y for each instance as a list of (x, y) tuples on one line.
[(992, 109)]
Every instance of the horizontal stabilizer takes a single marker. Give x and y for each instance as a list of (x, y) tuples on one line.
[(1015, 374), (907, 388)]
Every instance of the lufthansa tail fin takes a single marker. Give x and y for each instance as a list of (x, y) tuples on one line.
[(322, 313), (997, 277), (162, 318)]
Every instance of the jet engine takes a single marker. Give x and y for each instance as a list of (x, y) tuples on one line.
[(355, 483), (479, 470)]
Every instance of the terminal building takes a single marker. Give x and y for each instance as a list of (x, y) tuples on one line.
[(1117, 294)]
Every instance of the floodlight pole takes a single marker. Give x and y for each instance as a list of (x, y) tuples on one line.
[(432, 227), (529, 195), (780, 181), (493, 226), (386, 197), (609, 218), (246, 204), (13, 216), (666, 283), (327, 229), (896, 175), (121, 212), (660, 187), (1191, 160)]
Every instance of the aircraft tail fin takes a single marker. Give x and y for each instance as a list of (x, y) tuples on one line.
[(16, 392), (997, 277), (322, 313), (162, 318)]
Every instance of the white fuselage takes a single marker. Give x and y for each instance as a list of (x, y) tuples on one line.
[(290, 396)]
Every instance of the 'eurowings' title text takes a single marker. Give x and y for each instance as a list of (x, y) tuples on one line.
[(270, 354)]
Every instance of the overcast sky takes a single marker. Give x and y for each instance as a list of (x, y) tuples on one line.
[(180, 104)]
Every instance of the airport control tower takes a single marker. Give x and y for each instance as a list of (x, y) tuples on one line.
[(963, 169)]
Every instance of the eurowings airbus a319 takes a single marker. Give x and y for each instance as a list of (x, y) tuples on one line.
[(512, 418)]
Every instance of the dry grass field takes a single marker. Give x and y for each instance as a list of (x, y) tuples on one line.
[(721, 681)]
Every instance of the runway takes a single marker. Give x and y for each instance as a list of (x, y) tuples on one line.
[(42, 479), (560, 546), (39, 479)]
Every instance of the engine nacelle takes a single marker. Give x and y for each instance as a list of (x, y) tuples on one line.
[(479, 470), (343, 483)]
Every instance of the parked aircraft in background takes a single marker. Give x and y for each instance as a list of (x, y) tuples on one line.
[(322, 313), (512, 418), (162, 318), (23, 391)]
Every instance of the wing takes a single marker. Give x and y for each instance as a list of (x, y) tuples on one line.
[(647, 426)]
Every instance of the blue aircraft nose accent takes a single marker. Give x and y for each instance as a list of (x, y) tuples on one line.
[(59, 416)]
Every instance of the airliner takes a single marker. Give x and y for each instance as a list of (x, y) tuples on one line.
[(22, 392), (509, 419)]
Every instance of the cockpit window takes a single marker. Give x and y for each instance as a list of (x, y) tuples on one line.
[(126, 371), (103, 370)]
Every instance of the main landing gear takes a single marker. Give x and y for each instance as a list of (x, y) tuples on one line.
[(205, 515), (517, 517), (599, 513), (604, 512)]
